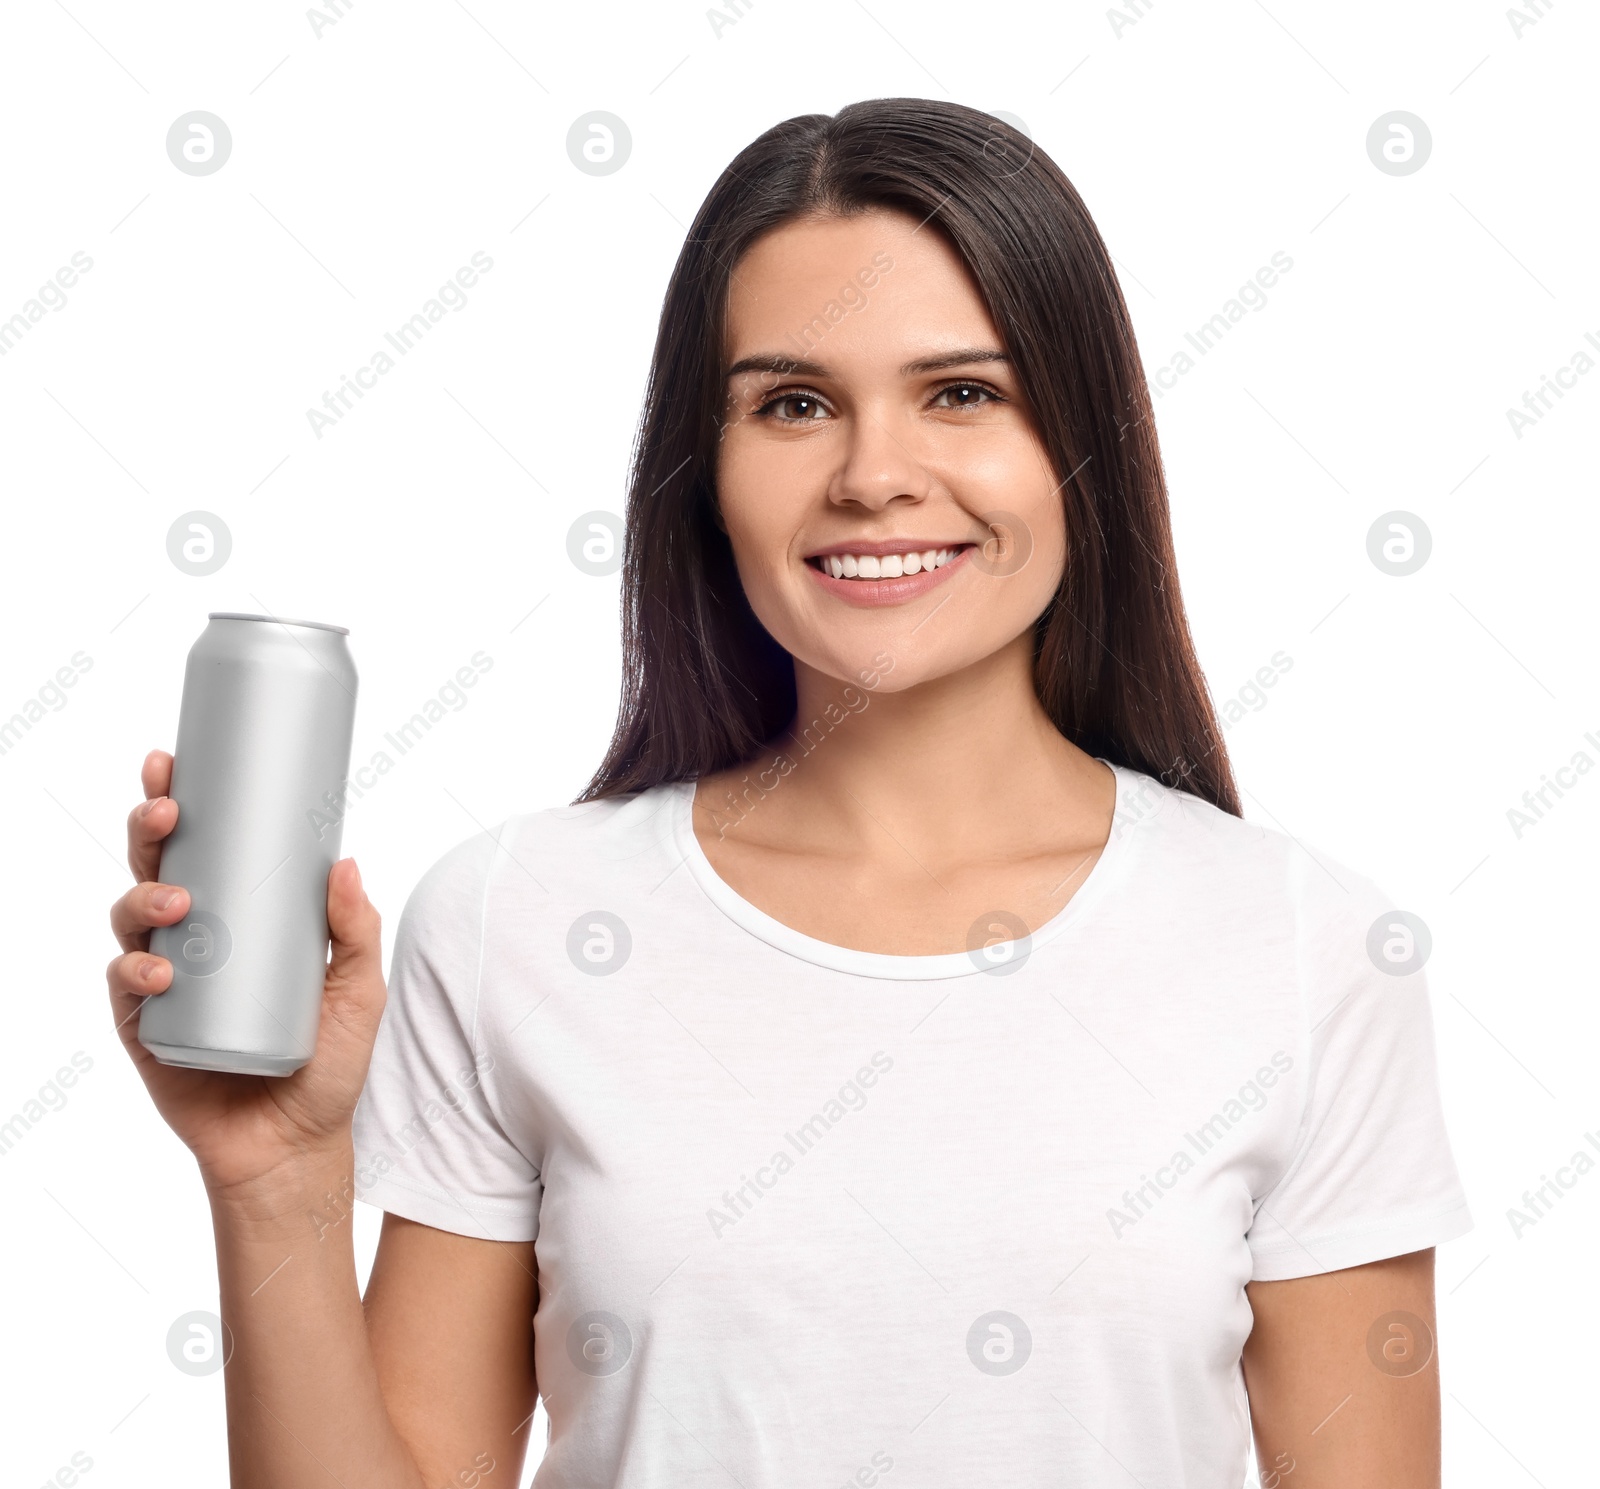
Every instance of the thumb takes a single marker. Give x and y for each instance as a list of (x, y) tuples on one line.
[(355, 928)]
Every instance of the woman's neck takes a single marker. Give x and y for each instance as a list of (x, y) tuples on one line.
[(969, 764)]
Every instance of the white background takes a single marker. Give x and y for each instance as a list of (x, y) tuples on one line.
[(368, 164)]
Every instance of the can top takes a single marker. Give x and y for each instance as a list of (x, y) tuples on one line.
[(281, 620)]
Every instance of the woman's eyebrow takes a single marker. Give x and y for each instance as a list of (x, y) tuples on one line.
[(779, 363), (954, 359), (786, 366)]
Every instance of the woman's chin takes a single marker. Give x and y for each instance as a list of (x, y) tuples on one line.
[(890, 664)]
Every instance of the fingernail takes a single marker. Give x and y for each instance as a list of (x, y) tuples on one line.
[(162, 898), (145, 810), (147, 969)]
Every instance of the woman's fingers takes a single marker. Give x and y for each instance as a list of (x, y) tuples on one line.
[(131, 978), (153, 819), (354, 992), (143, 906), (156, 773), (149, 824), (355, 928), (139, 972)]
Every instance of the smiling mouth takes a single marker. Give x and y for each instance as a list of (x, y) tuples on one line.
[(886, 565)]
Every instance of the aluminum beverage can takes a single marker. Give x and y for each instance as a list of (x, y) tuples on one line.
[(259, 775)]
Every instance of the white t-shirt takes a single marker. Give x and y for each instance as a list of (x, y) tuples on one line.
[(810, 1216)]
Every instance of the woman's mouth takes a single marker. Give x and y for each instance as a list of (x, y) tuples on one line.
[(881, 577), (884, 565)]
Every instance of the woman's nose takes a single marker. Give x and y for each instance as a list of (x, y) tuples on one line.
[(878, 465)]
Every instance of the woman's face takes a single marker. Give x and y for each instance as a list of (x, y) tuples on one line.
[(893, 515)]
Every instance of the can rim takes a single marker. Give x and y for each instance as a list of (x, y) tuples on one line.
[(282, 620)]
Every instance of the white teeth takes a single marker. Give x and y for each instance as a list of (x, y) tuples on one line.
[(885, 566)]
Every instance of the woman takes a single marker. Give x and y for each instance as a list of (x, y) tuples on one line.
[(902, 1062)]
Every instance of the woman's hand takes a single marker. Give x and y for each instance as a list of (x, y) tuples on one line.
[(244, 1128)]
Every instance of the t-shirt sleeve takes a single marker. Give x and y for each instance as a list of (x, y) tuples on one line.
[(429, 1144), (1371, 1173)]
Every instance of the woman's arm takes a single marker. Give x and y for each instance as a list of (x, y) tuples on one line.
[(428, 1384), (304, 1401), (435, 1385), (1343, 1384), (451, 1323)]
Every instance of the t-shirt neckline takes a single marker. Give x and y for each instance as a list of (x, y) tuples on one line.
[(883, 964)]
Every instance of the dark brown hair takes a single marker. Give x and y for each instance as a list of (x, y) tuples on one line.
[(704, 685)]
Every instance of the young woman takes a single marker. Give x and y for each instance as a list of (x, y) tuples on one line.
[(902, 1063)]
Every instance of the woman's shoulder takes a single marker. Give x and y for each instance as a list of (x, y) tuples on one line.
[(1217, 853), (608, 840)]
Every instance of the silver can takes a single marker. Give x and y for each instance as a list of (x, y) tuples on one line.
[(259, 774)]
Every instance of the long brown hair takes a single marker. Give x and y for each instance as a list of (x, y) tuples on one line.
[(703, 684)]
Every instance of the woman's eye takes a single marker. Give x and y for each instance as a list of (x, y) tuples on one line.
[(793, 408), (965, 395)]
